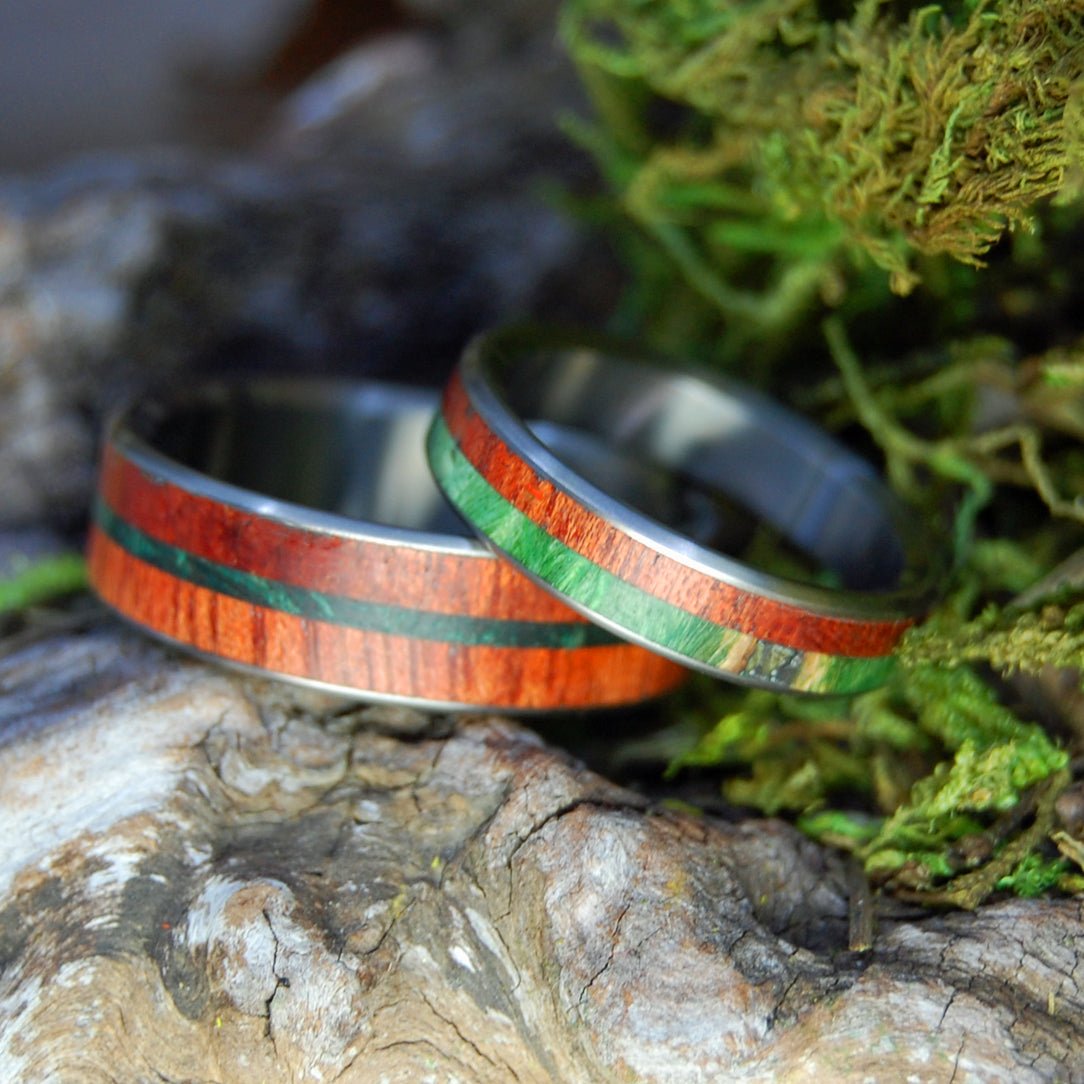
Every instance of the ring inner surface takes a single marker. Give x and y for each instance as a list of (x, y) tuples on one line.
[(719, 440), (359, 452), (353, 451)]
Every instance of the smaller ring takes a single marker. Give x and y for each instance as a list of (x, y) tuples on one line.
[(654, 582), (292, 527)]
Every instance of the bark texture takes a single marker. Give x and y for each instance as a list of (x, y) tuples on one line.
[(210, 878)]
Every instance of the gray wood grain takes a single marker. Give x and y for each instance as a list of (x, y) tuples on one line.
[(208, 878)]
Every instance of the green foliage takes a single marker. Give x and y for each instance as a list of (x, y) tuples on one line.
[(947, 792), (940, 789), (29, 583), (996, 760), (1034, 876), (1007, 639), (803, 157), (966, 450), (806, 190)]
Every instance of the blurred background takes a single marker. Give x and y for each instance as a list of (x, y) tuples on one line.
[(322, 186), (120, 74)]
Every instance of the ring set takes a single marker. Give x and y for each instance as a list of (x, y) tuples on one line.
[(293, 527)]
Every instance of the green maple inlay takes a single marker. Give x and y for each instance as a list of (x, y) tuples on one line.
[(601, 592), (845, 676), (339, 610)]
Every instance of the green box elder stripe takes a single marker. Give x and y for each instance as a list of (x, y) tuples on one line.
[(600, 591), (338, 610)]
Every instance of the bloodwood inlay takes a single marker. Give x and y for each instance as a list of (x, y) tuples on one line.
[(461, 583), (388, 620), (615, 576), (656, 573)]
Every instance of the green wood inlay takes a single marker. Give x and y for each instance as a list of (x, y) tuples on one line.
[(846, 675), (578, 578), (338, 610)]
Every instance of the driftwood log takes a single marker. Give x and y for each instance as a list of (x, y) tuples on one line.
[(207, 878)]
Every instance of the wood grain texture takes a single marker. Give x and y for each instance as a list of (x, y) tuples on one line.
[(214, 879), (475, 583), (384, 618), (656, 573), (626, 605)]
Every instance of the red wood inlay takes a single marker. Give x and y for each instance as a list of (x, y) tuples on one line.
[(513, 678), (653, 572), (473, 584)]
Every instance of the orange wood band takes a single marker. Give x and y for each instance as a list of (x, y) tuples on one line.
[(471, 583), (518, 678)]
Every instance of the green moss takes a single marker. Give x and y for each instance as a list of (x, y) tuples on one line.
[(1034, 875), (947, 791), (1008, 639), (804, 157), (809, 193)]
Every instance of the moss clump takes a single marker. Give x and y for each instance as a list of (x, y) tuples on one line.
[(873, 209), (937, 787), (804, 144)]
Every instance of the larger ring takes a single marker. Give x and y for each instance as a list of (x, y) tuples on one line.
[(644, 579), (293, 528)]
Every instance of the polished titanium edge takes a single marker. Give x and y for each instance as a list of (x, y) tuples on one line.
[(131, 447), (119, 431), (477, 374)]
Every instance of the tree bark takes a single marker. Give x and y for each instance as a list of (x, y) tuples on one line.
[(213, 878)]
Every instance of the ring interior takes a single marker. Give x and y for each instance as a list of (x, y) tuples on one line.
[(712, 436), (358, 451), (355, 451)]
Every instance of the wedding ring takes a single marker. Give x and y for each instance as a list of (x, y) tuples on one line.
[(292, 527), (654, 582)]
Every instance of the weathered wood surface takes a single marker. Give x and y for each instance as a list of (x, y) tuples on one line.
[(209, 878)]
